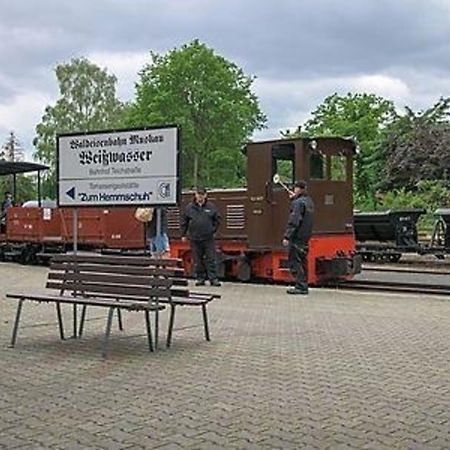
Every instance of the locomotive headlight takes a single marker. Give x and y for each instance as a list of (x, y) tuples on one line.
[(313, 145)]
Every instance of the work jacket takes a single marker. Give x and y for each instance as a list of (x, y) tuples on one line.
[(300, 222), (200, 222)]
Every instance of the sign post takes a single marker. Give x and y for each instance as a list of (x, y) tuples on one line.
[(75, 250), (118, 168)]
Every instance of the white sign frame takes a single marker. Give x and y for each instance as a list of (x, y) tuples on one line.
[(126, 167)]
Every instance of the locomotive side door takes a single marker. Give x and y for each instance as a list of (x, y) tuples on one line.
[(284, 158), (268, 201), (259, 185)]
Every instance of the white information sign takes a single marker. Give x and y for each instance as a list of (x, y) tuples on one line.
[(127, 167)]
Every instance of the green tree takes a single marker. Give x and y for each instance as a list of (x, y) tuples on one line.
[(417, 147), (26, 186), (362, 117), (211, 99), (87, 102)]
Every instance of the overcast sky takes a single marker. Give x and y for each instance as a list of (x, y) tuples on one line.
[(300, 50)]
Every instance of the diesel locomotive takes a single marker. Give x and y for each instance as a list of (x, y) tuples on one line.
[(254, 219)]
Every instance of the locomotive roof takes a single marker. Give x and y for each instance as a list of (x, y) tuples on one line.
[(215, 190), (306, 139), (12, 167)]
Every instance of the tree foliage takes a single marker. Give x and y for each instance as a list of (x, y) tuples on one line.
[(417, 147), (26, 186), (87, 102), (211, 99), (12, 151), (361, 117)]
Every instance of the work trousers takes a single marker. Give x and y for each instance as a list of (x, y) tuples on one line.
[(204, 254), (298, 264)]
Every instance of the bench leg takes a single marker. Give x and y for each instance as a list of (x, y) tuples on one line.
[(149, 330), (75, 331), (171, 321), (205, 322), (119, 319), (107, 331), (156, 327), (82, 318), (60, 322), (16, 323)]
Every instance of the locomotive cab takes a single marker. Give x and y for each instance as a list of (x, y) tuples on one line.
[(326, 164)]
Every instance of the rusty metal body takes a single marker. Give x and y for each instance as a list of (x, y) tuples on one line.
[(34, 230)]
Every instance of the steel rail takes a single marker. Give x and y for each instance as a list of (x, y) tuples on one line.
[(406, 270), (393, 286)]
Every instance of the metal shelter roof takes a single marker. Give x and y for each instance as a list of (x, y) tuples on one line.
[(9, 168)]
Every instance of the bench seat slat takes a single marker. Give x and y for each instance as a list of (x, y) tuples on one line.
[(118, 290), (173, 299), (91, 301)]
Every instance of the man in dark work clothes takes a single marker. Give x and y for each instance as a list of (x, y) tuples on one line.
[(297, 235), (199, 222)]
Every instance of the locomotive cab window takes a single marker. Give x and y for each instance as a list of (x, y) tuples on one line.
[(338, 167), (283, 163), (317, 166)]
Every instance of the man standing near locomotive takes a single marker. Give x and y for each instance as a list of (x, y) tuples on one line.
[(199, 222), (297, 235)]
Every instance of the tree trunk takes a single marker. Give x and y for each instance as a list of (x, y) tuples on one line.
[(195, 173)]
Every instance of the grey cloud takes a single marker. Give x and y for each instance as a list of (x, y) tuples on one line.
[(290, 40), (285, 38)]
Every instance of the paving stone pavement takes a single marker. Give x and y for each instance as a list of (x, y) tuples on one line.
[(333, 370)]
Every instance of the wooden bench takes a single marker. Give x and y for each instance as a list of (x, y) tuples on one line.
[(116, 287), (168, 269)]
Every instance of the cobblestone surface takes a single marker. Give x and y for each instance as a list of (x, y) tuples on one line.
[(333, 370)]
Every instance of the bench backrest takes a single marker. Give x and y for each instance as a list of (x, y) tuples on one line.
[(124, 277), (174, 263)]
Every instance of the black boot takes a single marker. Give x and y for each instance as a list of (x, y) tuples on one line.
[(297, 291)]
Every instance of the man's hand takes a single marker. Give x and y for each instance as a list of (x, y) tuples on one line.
[(184, 239), (285, 242)]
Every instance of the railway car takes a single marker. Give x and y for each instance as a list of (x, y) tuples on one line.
[(249, 241), (38, 227), (34, 233), (384, 236)]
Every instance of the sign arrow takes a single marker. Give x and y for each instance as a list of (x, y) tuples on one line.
[(71, 193)]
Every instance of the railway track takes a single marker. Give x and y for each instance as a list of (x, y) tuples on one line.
[(394, 286), (416, 270)]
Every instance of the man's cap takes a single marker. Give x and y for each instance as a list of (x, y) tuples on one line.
[(301, 184), (200, 190)]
